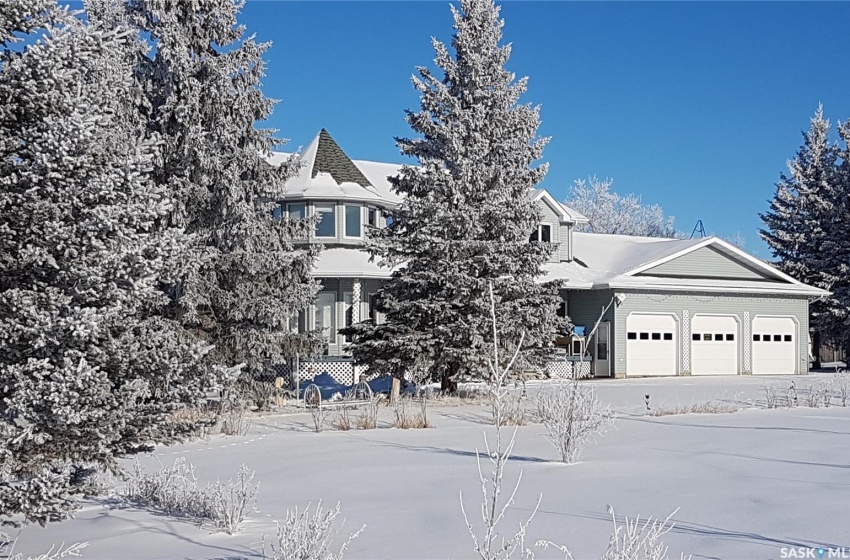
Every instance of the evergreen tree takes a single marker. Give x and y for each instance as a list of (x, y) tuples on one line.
[(465, 221), (88, 371), (804, 228), (202, 86)]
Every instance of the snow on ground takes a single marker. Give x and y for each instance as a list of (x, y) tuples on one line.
[(746, 484)]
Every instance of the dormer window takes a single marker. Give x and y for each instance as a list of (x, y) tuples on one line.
[(543, 233), (352, 221), (327, 220)]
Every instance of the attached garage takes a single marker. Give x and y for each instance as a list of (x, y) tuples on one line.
[(714, 345), (775, 346), (651, 344)]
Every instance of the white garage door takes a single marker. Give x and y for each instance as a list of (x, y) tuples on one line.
[(650, 344), (714, 345), (775, 345)]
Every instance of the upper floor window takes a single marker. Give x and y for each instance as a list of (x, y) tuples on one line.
[(327, 220), (277, 213), (352, 221), (372, 217), (543, 233), (297, 211)]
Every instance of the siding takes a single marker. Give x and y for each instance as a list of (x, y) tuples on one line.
[(548, 216), (584, 308), (710, 304), (706, 262)]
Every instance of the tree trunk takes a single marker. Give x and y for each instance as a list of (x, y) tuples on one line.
[(447, 383), (815, 350)]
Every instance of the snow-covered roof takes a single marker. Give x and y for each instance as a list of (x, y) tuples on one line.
[(339, 262), (327, 173), (618, 261)]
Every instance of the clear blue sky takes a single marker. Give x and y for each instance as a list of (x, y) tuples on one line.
[(694, 106)]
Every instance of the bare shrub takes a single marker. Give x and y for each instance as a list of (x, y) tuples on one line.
[(841, 382), (406, 419), (820, 393), (634, 539), (234, 421), (307, 535), (368, 419), (771, 397), (7, 550), (489, 544), (514, 414), (573, 416), (175, 491), (343, 422), (705, 407), (201, 415)]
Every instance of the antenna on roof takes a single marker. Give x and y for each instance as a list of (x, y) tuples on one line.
[(698, 229)]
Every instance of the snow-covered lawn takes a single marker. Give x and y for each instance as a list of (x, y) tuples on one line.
[(746, 484)]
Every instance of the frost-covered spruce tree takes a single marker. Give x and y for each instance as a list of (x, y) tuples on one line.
[(466, 216), (202, 83), (88, 371), (800, 226)]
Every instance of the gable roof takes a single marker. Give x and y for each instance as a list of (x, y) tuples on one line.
[(623, 262), (565, 213)]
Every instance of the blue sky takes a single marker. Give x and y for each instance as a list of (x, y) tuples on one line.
[(695, 106)]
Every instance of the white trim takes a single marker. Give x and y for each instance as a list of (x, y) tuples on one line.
[(316, 213), (558, 208), (790, 291), (345, 221)]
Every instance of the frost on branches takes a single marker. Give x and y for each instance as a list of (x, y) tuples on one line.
[(610, 212), (806, 226), (89, 372), (203, 99), (466, 216)]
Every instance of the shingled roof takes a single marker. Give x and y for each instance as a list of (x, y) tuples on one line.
[(331, 159)]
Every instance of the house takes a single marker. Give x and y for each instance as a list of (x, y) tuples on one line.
[(664, 307)]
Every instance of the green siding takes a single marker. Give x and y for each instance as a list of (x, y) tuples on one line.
[(549, 216), (706, 262), (709, 304)]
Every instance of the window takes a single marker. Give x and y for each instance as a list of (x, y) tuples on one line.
[(602, 351), (788, 338), (706, 336), (352, 221), (578, 348), (373, 308), (327, 224), (756, 338), (668, 336), (325, 304), (656, 336), (765, 338), (632, 336), (644, 336), (696, 336), (297, 323), (718, 337), (730, 337), (372, 217), (542, 233), (277, 213), (777, 338), (297, 211)]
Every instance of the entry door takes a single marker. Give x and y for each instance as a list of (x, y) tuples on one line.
[(602, 353)]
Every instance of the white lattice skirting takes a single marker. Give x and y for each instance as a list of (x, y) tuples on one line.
[(344, 372), (565, 369)]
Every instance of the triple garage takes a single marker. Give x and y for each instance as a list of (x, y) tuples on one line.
[(716, 345)]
